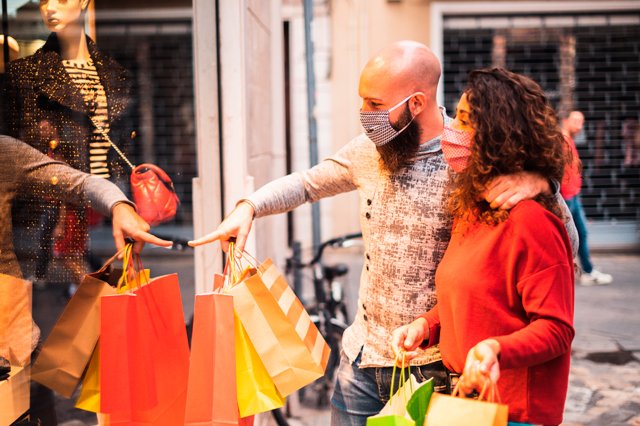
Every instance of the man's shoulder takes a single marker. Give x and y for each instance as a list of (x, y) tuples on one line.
[(359, 145), (362, 140)]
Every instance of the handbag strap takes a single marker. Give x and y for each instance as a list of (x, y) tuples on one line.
[(105, 135)]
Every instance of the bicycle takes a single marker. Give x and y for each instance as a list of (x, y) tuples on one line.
[(328, 310)]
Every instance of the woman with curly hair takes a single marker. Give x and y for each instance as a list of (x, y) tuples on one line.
[(505, 284)]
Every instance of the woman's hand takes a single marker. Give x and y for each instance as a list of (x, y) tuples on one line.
[(407, 339), (481, 365)]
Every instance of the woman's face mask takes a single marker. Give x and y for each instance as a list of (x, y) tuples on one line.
[(456, 147), (377, 124)]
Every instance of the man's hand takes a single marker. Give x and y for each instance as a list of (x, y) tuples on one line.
[(237, 224), (481, 365), (127, 223), (407, 339), (504, 192)]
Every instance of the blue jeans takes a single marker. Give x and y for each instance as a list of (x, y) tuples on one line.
[(579, 218), (362, 392)]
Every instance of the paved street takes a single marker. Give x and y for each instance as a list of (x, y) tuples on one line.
[(605, 373)]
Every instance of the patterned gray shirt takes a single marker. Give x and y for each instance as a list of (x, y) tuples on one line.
[(405, 230)]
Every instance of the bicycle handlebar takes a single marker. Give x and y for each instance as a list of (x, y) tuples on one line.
[(334, 242)]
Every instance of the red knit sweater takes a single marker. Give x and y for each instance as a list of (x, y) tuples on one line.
[(512, 282)]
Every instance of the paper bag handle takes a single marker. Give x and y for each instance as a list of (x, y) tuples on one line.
[(132, 263), (403, 378), (111, 260), (488, 393)]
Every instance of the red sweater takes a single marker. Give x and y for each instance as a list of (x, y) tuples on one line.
[(571, 180), (512, 282)]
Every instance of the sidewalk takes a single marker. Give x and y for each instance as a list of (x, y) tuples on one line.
[(605, 373)]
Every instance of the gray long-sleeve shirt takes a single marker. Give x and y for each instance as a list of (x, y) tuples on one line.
[(24, 170)]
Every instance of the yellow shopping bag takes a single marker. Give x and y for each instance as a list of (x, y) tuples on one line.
[(255, 389), (89, 398)]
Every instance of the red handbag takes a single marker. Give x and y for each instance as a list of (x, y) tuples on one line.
[(153, 194), (152, 190)]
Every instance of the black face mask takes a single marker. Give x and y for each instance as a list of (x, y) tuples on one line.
[(401, 150)]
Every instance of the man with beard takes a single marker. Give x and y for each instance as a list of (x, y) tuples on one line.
[(401, 177)]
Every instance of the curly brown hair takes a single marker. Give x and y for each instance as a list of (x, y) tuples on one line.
[(515, 130)]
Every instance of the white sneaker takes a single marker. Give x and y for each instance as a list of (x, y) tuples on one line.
[(595, 278)]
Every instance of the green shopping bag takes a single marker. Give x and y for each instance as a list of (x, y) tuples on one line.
[(395, 413), (419, 401)]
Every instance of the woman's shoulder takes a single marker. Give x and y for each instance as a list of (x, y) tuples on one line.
[(529, 217)]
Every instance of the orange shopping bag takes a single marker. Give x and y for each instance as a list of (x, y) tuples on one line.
[(287, 341), (211, 391), (456, 410)]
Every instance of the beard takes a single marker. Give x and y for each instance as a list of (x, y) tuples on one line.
[(401, 150)]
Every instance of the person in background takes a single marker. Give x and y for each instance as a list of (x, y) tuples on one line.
[(505, 285), (398, 169), (570, 189)]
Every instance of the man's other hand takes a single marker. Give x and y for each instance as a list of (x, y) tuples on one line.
[(504, 192)]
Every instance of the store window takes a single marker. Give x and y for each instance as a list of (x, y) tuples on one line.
[(79, 78)]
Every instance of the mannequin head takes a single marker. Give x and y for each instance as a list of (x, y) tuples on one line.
[(63, 16)]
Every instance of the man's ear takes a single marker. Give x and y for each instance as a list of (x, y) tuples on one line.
[(84, 5), (417, 103)]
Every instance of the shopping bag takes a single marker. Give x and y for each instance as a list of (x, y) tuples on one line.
[(89, 398), (211, 390), (419, 401), (144, 355), (16, 322), (68, 349), (297, 315), (256, 391), (456, 410), (286, 340), (395, 410), (14, 395)]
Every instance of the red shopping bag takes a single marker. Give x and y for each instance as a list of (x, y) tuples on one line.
[(144, 355)]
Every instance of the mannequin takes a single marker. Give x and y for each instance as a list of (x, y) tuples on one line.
[(54, 98)]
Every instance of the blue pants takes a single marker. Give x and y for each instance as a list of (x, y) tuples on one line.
[(580, 220), (362, 392)]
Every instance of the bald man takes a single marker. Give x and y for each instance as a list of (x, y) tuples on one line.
[(401, 177)]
